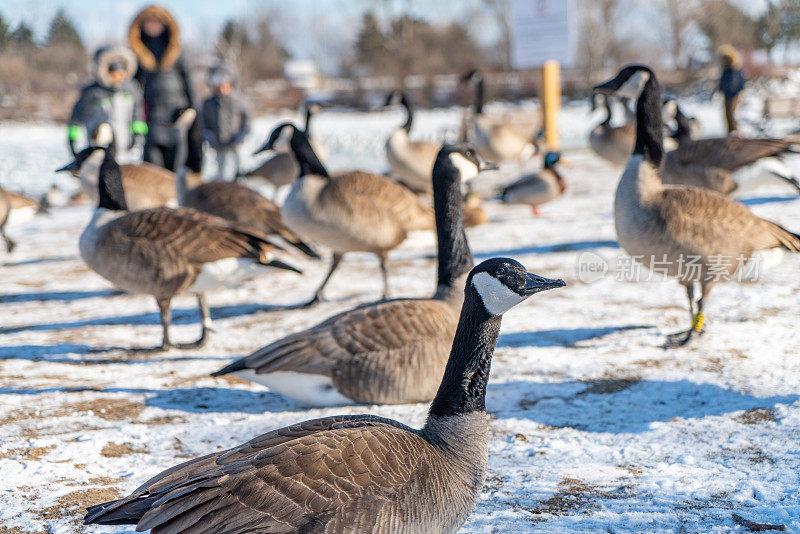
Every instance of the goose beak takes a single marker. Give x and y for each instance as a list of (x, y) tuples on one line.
[(70, 167), (535, 283), (278, 264), (264, 148), (484, 165), (607, 88)]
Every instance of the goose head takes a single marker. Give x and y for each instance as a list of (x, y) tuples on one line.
[(396, 98), (471, 76), (81, 158), (628, 83), (502, 283), (287, 137), (463, 160)]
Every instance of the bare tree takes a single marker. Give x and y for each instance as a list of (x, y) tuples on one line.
[(680, 16)]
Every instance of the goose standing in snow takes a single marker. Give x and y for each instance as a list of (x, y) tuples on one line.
[(672, 225), (351, 473), (146, 185), (411, 162), (164, 252), (388, 352), (728, 165), (495, 141), (282, 168), (347, 212), (612, 143), (538, 188)]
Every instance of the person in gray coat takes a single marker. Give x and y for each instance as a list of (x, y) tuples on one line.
[(113, 98), (225, 122)]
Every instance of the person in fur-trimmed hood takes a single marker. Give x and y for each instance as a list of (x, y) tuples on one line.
[(731, 83), (113, 98), (154, 37)]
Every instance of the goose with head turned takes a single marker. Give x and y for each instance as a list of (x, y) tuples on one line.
[(538, 188), (728, 165), (411, 162), (672, 225), (164, 252), (351, 473), (384, 353), (282, 168), (352, 211), (495, 141), (612, 143)]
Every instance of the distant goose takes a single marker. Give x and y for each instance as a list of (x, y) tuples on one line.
[(14, 208), (389, 352), (240, 205), (164, 252), (539, 188), (673, 225), (146, 185), (495, 141), (612, 143), (350, 473), (411, 162), (353, 211), (727, 164), (282, 168)]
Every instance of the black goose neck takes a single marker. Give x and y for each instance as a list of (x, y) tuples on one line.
[(607, 105), (111, 193), (463, 387), (306, 157), (454, 255), (409, 113), (683, 132), (307, 128), (479, 95), (649, 125)]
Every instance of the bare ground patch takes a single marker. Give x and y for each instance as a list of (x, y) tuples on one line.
[(118, 450)]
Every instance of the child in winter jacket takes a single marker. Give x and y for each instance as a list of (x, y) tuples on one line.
[(225, 122), (115, 99), (731, 83)]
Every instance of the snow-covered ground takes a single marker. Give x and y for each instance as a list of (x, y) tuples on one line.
[(595, 427)]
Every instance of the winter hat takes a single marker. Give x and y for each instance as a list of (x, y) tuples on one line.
[(729, 51), (220, 74), (110, 58)]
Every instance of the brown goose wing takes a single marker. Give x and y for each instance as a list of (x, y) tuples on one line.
[(192, 235), (244, 206), (392, 351), (304, 475), (707, 223), (372, 198), (729, 153)]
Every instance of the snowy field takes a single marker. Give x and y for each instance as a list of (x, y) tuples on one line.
[(594, 427)]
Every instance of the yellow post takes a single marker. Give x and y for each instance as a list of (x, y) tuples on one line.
[(551, 103)]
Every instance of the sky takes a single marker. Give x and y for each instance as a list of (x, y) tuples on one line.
[(334, 22)]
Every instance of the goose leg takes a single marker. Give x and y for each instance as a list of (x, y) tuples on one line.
[(680, 339), (385, 273), (318, 294), (163, 308), (205, 321)]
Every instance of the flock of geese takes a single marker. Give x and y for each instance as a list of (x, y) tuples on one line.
[(162, 234)]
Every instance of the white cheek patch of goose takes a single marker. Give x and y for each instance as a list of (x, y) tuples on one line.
[(496, 296)]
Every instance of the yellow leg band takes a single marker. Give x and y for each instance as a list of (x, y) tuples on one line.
[(698, 321)]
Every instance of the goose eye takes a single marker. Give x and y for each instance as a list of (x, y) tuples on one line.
[(468, 153), (500, 271)]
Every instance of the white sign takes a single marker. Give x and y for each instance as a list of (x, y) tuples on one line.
[(541, 30)]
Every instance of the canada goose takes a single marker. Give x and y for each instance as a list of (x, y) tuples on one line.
[(724, 164), (351, 473), (672, 225), (388, 352), (612, 143), (538, 188), (495, 141), (282, 168), (164, 251), (146, 185), (240, 205), (14, 208), (411, 162), (347, 212)]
